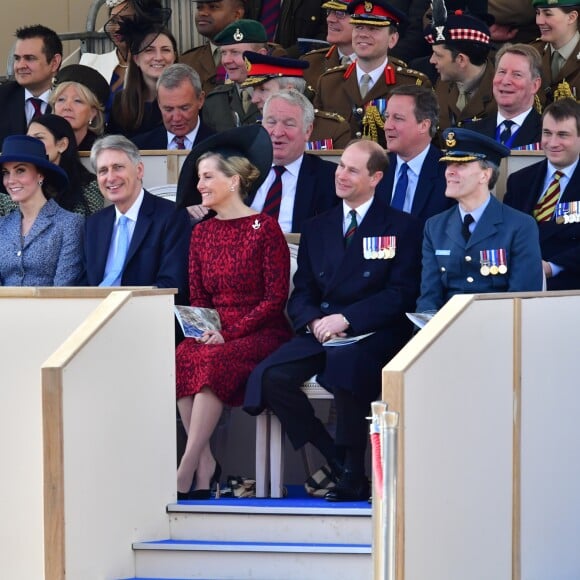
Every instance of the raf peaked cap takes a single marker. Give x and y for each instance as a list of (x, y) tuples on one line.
[(241, 31), (375, 13), (251, 142), (262, 67), (460, 27), (464, 146)]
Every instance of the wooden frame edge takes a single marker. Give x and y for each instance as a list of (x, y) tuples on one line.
[(53, 468), (516, 444)]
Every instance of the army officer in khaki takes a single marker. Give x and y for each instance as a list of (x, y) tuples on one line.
[(359, 92)]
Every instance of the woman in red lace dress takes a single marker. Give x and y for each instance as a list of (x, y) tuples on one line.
[(239, 265)]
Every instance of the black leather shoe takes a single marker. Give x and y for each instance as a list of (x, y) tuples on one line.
[(350, 487)]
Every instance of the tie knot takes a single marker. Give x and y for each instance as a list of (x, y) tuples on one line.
[(558, 175), (403, 169), (179, 141), (352, 214), (468, 220), (123, 220), (508, 124), (279, 170)]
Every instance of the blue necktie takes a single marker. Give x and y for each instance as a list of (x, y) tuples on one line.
[(398, 200), (113, 278)]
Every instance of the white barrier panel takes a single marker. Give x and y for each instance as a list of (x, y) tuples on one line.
[(89, 456), (488, 454)]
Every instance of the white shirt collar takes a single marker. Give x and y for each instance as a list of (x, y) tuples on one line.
[(361, 210), (133, 212), (374, 74), (518, 119)]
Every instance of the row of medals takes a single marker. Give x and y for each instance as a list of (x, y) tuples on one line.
[(568, 212), (493, 262), (379, 247)]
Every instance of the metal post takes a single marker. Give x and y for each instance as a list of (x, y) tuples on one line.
[(377, 408), (389, 439)]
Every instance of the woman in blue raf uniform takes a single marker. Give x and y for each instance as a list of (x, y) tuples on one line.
[(480, 245)]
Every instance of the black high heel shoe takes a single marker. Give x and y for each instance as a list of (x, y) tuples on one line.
[(201, 494)]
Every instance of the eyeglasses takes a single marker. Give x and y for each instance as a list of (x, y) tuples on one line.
[(338, 14)]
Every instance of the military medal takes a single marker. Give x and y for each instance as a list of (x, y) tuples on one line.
[(502, 268), (484, 261), (367, 248), (390, 246), (493, 267)]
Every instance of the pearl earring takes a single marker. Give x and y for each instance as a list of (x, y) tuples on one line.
[(40, 182)]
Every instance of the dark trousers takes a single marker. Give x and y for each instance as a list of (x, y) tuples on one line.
[(282, 394)]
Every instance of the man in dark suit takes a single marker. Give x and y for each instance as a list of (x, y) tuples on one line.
[(180, 100), (480, 245), (516, 81), (358, 272), (299, 185), (307, 182), (415, 180), (558, 218), (37, 58), (139, 240)]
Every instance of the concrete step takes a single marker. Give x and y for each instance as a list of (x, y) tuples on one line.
[(300, 521), (181, 559)]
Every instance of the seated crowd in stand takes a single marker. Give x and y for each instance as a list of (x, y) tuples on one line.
[(404, 221)]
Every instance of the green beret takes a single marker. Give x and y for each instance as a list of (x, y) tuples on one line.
[(554, 3), (241, 31)]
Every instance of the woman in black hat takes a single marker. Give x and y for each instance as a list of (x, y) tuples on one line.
[(80, 96), (40, 245), (239, 265)]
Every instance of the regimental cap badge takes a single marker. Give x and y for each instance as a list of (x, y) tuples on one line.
[(238, 35), (450, 141), (368, 7), (440, 35)]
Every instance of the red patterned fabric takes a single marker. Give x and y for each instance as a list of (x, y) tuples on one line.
[(240, 267)]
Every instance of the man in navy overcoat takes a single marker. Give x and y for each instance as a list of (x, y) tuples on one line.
[(358, 273)]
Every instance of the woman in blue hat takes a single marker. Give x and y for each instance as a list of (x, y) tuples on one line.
[(41, 244)]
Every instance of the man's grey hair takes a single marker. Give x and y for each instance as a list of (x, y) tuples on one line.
[(486, 164), (291, 83), (118, 143), (293, 97), (174, 75)]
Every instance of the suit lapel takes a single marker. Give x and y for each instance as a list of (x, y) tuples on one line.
[(103, 239), (144, 220), (488, 224), (426, 181), (42, 222), (304, 192), (453, 228)]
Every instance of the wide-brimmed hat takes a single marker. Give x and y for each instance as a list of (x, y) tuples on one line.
[(88, 77), (251, 142), (31, 150)]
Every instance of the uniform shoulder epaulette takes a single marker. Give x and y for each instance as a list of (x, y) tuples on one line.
[(195, 48), (412, 73), (329, 115), (335, 69), (219, 89), (397, 62), (323, 50)]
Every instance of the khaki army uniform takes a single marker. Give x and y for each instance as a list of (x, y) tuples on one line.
[(338, 91), (201, 60), (323, 59), (330, 126), (480, 105), (569, 73), (223, 109)]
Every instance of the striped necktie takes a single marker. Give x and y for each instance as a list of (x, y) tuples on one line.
[(274, 195), (351, 229), (544, 209), (270, 16)]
